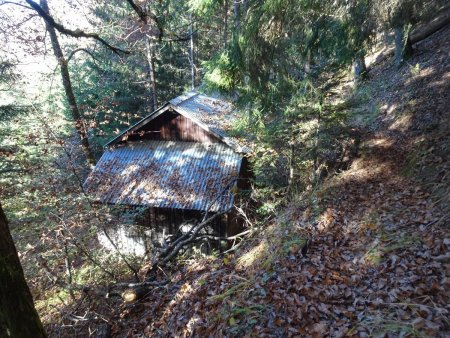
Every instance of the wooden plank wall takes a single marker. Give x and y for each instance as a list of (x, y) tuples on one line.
[(171, 126)]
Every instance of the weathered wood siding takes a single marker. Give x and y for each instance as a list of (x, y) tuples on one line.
[(171, 126)]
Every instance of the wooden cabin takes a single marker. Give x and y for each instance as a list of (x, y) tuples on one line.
[(178, 162)]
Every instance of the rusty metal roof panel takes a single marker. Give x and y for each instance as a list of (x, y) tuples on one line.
[(165, 174)]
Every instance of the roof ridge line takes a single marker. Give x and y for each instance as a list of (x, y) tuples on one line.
[(180, 99)]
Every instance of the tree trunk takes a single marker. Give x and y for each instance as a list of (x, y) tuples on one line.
[(57, 51), (307, 66), (403, 48), (151, 71), (18, 317), (191, 52), (225, 23), (360, 69), (237, 15), (143, 16)]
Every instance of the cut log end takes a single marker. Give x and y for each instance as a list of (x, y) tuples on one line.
[(133, 294), (129, 296)]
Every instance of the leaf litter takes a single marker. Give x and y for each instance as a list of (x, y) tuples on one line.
[(377, 262)]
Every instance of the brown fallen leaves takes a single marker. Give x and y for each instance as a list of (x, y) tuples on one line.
[(378, 263)]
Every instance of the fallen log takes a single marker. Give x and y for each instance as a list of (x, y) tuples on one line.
[(424, 31), (418, 34)]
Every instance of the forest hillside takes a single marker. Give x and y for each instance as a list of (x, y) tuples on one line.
[(365, 254), (344, 109)]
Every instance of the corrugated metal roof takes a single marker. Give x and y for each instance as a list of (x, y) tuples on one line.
[(214, 115), (165, 174)]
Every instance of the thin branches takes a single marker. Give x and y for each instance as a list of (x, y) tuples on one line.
[(81, 50), (190, 237), (74, 33), (144, 15)]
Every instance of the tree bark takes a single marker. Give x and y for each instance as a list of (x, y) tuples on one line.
[(403, 48), (151, 72), (360, 69), (307, 66), (67, 84), (225, 23), (18, 316), (431, 27), (191, 53), (237, 15), (144, 16)]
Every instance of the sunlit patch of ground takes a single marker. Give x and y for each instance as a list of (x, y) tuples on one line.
[(376, 263), (402, 124)]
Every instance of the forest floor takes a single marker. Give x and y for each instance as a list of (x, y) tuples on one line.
[(378, 259)]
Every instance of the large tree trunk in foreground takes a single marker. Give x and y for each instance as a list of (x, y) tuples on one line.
[(57, 51), (18, 317)]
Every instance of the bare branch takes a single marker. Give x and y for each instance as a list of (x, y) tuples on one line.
[(143, 16), (173, 250), (13, 3), (74, 33), (231, 238), (135, 272), (133, 285), (139, 11), (81, 50)]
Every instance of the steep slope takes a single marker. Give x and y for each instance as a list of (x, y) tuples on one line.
[(378, 260)]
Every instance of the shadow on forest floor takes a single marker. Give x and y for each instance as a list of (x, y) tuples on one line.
[(376, 231), (373, 266)]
